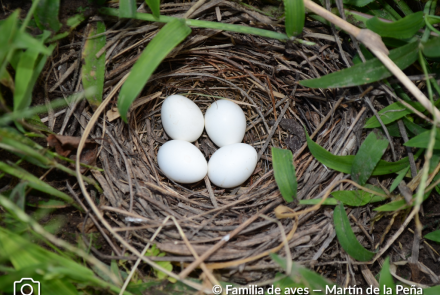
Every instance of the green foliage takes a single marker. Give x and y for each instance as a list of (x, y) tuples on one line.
[(402, 29), (433, 236), (155, 252), (93, 70), (344, 163), (127, 8), (299, 277), (398, 205), (206, 25), (422, 140), (386, 279), (46, 15), (346, 237), (168, 37), (284, 171), (154, 6), (295, 17), (371, 71), (369, 154), (354, 198), (392, 113)]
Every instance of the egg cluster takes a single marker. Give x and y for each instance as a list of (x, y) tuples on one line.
[(225, 124)]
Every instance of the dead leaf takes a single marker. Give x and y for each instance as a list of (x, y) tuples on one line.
[(67, 146)]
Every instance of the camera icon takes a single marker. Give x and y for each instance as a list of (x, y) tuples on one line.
[(28, 287)]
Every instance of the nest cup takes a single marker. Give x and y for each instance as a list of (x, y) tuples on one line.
[(266, 91)]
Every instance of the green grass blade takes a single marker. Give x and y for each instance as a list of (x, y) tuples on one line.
[(28, 70), (168, 37), (386, 279), (422, 140), (344, 163), (346, 237), (368, 72), (93, 70), (207, 25), (402, 29), (399, 178), (46, 15), (328, 201), (154, 6), (392, 113), (34, 182), (284, 171), (369, 154), (433, 236), (8, 29), (295, 16), (127, 8)]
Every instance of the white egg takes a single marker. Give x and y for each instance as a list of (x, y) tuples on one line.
[(225, 123), (181, 118), (182, 161), (231, 165)]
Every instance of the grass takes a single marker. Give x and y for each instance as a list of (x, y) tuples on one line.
[(28, 249)]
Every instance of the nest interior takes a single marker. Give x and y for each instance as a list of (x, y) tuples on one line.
[(261, 75)]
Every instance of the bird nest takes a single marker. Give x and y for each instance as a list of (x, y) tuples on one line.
[(237, 227)]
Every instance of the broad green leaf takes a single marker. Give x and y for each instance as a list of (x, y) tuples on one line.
[(357, 3), (284, 171), (369, 154), (127, 8), (392, 113), (168, 37), (413, 128), (422, 140), (400, 175), (295, 16), (346, 237), (46, 15), (398, 205), (432, 291), (93, 69), (402, 29), (433, 236), (344, 163), (386, 279), (34, 182), (299, 277), (430, 47), (368, 72), (356, 198), (351, 198), (154, 6)]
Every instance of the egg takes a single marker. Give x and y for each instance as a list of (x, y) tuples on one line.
[(182, 161), (225, 123), (231, 165), (181, 118)]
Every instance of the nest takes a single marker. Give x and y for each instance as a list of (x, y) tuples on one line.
[(261, 75)]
